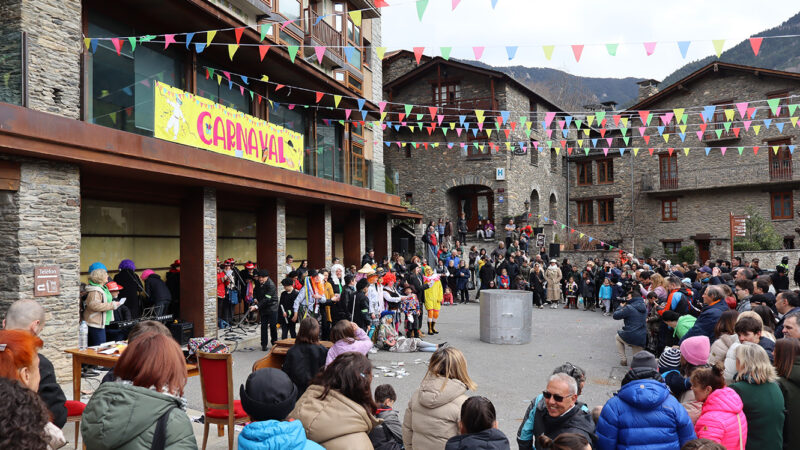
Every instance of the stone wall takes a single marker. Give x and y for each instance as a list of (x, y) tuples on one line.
[(40, 223), (10, 48), (768, 259), (376, 96), (399, 66), (210, 259), (280, 211), (709, 187)]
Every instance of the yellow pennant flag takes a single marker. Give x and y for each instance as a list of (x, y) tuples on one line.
[(219, 79), (337, 99), (757, 129), (356, 16), (508, 146), (585, 131), (775, 148), (635, 151), (479, 115), (729, 114), (452, 125), (265, 78), (210, 36), (580, 142), (489, 132), (678, 114), (548, 51), (589, 119), (113, 117), (686, 151), (625, 122), (682, 128), (383, 116), (794, 121), (435, 144), (666, 138), (528, 125), (557, 150), (380, 51), (232, 49), (87, 42), (718, 44)]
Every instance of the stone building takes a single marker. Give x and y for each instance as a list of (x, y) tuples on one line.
[(447, 164), (671, 199), (83, 179)]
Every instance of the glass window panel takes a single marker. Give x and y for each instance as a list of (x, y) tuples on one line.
[(296, 228), (289, 9), (236, 224), (238, 249), (329, 156), (354, 58)]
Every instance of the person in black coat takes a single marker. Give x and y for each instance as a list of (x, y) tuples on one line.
[(131, 287), (486, 274), (306, 357), (361, 313), (266, 295), (157, 292), (343, 309), (417, 283), (536, 282), (174, 285), (286, 304)]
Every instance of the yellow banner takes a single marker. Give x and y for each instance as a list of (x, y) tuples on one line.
[(192, 120)]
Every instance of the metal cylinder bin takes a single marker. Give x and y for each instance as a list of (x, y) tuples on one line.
[(506, 316)]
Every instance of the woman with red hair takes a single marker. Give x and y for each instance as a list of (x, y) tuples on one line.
[(145, 401), (19, 361)]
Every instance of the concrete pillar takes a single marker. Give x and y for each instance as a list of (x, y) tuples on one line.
[(199, 261), (354, 231), (40, 226)]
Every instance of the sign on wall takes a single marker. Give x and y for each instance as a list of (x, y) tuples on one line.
[(540, 240), (500, 174), (46, 281), (192, 120)]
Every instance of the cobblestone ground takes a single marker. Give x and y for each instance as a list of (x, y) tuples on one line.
[(509, 375)]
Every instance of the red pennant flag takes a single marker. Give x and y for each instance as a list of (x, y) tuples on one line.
[(563, 143), (168, 39), (507, 132), (262, 50), (279, 87), (381, 4), (616, 120), (670, 150), (319, 96), (401, 116), (572, 230), (430, 130), (651, 151), (755, 150), (432, 110), (703, 127), (643, 116), (736, 131), (602, 132), (755, 44), (513, 126), (426, 146), (418, 53), (117, 45), (238, 32), (499, 120), (259, 99), (646, 138), (577, 50), (569, 150)]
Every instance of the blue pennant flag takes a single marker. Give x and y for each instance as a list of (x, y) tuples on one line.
[(94, 45), (567, 121), (244, 79), (189, 37), (475, 132), (127, 90), (708, 112), (565, 132), (594, 142), (199, 47), (683, 136), (660, 130), (360, 102), (791, 149), (505, 115), (621, 152), (230, 84), (779, 126), (512, 51), (767, 123), (708, 149), (461, 119), (364, 115), (684, 47)]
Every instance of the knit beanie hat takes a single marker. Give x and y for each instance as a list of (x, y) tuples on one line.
[(695, 350), (268, 394), (97, 265), (669, 360), (644, 359)]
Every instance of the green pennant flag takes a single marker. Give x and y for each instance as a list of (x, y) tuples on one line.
[(741, 149), (445, 130), (408, 109), (626, 139), (446, 52), (718, 132), (773, 105), (292, 49), (599, 116), (251, 95), (147, 38), (578, 124), (612, 49), (528, 133), (419, 116), (132, 40), (563, 226), (421, 5), (523, 120), (265, 30), (727, 126), (586, 150), (792, 108), (624, 131), (210, 72)]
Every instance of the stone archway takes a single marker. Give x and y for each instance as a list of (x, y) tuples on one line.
[(534, 205), (553, 207)]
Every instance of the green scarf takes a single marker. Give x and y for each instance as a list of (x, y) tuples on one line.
[(107, 298)]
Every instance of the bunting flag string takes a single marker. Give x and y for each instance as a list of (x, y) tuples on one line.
[(561, 226)]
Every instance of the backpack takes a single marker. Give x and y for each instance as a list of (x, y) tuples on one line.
[(207, 345)]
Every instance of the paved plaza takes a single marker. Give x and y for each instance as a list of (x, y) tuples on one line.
[(509, 375)]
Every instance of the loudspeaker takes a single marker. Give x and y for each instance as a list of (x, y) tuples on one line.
[(555, 250), (181, 331)]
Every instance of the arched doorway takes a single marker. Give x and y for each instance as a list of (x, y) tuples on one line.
[(475, 201), (552, 210), (534, 211)]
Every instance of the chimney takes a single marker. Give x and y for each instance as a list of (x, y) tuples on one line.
[(647, 88)]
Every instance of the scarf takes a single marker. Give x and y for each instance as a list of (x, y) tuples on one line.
[(108, 316)]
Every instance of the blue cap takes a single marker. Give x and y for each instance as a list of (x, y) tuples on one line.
[(97, 265), (387, 313)]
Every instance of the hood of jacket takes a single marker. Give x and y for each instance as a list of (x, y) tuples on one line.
[(438, 391), (491, 439), (644, 394), (119, 413), (638, 304), (723, 400), (275, 435), (331, 418)]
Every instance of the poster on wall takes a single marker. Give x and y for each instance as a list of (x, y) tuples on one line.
[(192, 120)]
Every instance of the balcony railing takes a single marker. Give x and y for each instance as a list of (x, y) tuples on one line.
[(322, 32), (13, 78), (738, 175), (465, 106)]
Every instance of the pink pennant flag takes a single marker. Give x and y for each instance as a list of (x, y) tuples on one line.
[(117, 45), (667, 118), (700, 135), (478, 51), (287, 23), (642, 130), (561, 123), (168, 39), (227, 75), (722, 149), (455, 3), (649, 48), (747, 124), (418, 53), (609, 140), (440, 118), (347, 113), (536, 144), (480, 126), (755, 44), (241, 89), (550, 133), (577, 50), (548, 118), (605, 152), (742, 108), (458, 132), (382, 106), (320, 51)]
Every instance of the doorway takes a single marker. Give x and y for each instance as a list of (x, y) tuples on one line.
[(476, 202), (703, 249)]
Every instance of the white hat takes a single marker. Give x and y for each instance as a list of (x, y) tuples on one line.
[(367, 269), (553, 261)]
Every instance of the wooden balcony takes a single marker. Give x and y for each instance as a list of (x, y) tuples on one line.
[(322, 33), (778, 172)]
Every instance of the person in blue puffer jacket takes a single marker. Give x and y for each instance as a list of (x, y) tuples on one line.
[(643, 415), (268, 396)]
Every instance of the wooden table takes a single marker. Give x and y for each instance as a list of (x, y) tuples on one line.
[(278, 353), (91, 357)]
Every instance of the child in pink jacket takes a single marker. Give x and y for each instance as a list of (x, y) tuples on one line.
[(347, 337), (722, 419)]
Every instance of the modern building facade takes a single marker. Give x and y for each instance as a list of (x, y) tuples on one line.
[(672, 199), (82, 178), (449, 165)]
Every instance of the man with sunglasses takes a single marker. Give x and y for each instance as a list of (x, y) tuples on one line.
[(558, 412)]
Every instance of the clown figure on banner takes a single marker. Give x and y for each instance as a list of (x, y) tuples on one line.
[(174, 122)]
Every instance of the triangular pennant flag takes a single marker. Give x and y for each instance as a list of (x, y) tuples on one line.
[(718, 44), (380, 51), (622, 151), (686, 151), (794, 121), (548, 51), (360, 102), (635, 151), (612, 49), (262, 51), (708, 149), (189, 37), (649, 48), (773, 106), (494, 3), (740, 150), (708, 112), (117, 45), (381, 4), (651, 151), (577, 50), (319, 96), (756, 129), (238, 33), (723, 149), (292, 49), (455, 3), (168, 39), (336, 100), (779, 126), (478, 52), (88, 41), (320, 52), (132, 40), (356, 17), (755, 44), (445, 52), (421, 5), (418, 53), (644, 116), (232, 49), (792, 108), (767, 123), (265, 30), (511, 50), (683, 46)]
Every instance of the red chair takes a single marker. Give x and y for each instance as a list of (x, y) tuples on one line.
[(74, 414), (216, 381)]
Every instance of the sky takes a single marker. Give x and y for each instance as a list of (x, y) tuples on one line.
[(530, 24)]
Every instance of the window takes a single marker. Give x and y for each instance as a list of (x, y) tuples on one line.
[(408, 150), (534, 154), (223, 93), (328, 158), (289, 9), (584, 173), (669, 209), (585, 212), (780, 163), (605, 171), (788, 242), (338, 9), (367, 53), (339, 75), (668, 169), (672, 247), (553, 161), (783, 110), (781, 205), (447, 94), (605, 210), (410, 198)]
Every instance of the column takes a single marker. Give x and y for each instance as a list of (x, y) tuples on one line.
[(382, 236), (199, 261), (353, 239), (328, 237)]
